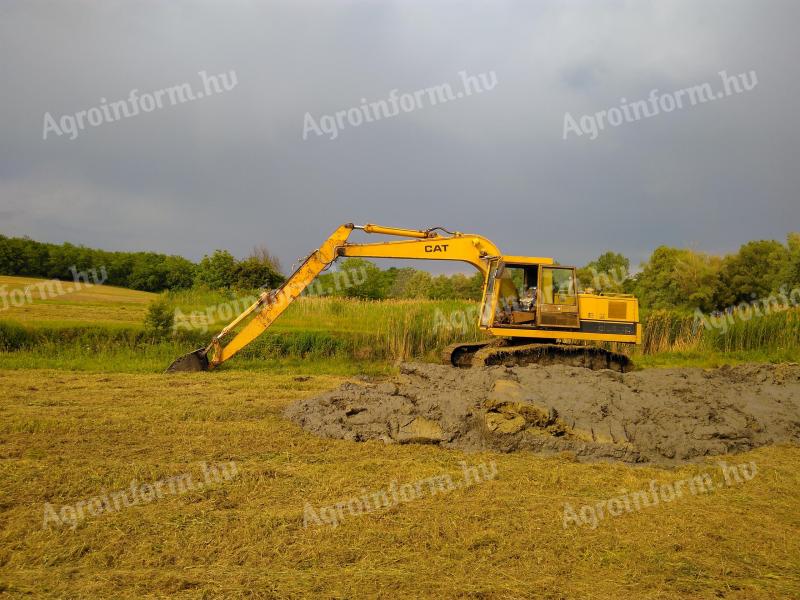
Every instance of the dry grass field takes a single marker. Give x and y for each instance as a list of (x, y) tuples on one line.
[(69, 437)]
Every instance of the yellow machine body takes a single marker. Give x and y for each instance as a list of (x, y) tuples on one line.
[(524, 298), (558, 310)]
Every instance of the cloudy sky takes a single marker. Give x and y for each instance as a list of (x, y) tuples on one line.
[(232, 170)]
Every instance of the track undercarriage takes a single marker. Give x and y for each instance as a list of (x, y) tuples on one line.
[(514, 353)]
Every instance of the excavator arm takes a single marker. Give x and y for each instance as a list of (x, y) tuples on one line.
[(424, 244)]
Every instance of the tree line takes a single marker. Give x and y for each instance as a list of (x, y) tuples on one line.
[(360, 278), (146, 271), (671, 278), (681, 278)]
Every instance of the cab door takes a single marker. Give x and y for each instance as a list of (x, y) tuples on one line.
[(557, 298), (490, 294)]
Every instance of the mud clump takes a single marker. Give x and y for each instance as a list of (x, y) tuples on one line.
[(650, 416)]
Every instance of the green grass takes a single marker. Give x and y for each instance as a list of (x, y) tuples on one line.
[(156, 358), (344, 332), (711, 359), (101, 328), (388, 329), (94, 304), (673, 331), (675, 339)]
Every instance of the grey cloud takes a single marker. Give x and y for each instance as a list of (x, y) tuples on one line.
[(233, 171)]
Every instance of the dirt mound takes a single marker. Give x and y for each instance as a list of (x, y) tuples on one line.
[(655, 415)]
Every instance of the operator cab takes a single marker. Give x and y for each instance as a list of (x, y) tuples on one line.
[(521, 295)]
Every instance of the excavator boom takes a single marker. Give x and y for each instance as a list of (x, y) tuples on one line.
[(558, 317), (426, 244)]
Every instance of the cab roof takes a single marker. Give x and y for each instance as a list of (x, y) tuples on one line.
[(528, 260)]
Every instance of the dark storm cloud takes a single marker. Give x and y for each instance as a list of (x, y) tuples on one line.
[(232, 170)]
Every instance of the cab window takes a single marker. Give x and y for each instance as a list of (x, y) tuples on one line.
[(558, 286)]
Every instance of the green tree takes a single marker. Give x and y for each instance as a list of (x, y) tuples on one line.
[(755, 271), (358, 278), (217, 271), (138, 270), (468, 287), (791, 272), (252, 273), (678, 278), (399, 282), (697, 279), (149, 273), (179, 272), (607, 273), (418, 285), (441, 288)]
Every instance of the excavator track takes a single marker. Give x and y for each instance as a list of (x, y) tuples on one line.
[(480, 354), (590, 357), (461, 354)]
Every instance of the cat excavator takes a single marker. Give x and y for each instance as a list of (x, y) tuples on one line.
[(531, 307)]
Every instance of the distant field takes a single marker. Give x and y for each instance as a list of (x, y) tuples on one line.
[(95, 304)]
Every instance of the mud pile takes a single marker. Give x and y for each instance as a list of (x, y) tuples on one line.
[(655, 415)]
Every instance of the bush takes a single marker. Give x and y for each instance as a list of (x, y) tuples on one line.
[(160, 317), (251, 274)]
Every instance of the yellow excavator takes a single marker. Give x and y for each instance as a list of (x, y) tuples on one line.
[(531, 305)]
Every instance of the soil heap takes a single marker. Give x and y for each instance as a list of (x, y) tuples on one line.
[(648, 416)]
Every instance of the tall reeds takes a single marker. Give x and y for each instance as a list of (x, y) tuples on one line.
[(668, 331), (394, 330)]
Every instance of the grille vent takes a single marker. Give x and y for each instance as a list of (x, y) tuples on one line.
[(617, 310)]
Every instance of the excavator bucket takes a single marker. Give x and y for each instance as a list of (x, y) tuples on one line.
[(194, 361)]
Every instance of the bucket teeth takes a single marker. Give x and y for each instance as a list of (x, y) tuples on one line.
[(194, 361)]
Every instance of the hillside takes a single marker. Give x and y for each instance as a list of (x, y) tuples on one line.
[(35, 301)]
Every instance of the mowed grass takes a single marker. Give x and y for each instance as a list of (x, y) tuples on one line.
[(67, 304), (67, 437)]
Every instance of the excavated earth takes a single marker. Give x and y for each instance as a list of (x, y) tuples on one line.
[(651, 416)]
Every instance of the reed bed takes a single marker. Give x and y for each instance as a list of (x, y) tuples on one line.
[(316, 327), (668, 331), (387, 330)]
